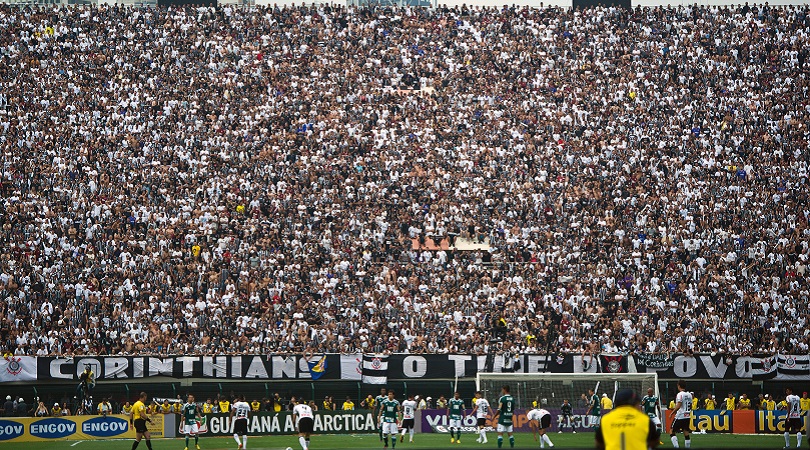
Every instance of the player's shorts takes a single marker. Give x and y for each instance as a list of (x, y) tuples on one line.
[(240, 426), (656, 421), (504, 428), (794, 424), (595, 419), (681, 425), (191, 428), (306, 425), (455, 423), (482, 421), (407, 424), (389, 428), (139, 425), (545, 422)]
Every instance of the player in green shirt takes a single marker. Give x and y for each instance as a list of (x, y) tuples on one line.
[(191, 413), (594, 410), (389, 415), (506, 409), (651, 406), (377, 405), (455, 411)]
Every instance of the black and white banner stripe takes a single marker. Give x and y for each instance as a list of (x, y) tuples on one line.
[(375, 369)]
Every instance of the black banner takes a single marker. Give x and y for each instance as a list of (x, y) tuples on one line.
[(405, 366)]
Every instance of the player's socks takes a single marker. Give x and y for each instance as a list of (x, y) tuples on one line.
[(385, 439), (303, 442), (542, 442), (512, 441), (787, 439), (674, 440), (135, 445), (244, 441), (236, 438), (500, 441), (411, 432), (149, 444), (548, 440), (394, 440), (197, 441), (798, 439), (687, 442), (186, 441)]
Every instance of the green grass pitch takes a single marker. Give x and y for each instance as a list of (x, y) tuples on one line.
[(422, 441)]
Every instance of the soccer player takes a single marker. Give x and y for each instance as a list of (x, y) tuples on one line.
[(480, 411), (539, 421), (455, 412), (389, 415), (651, 406), (304, 421), (506, 409), (240, 410), (593, 408), (377, 408), (138, 419), (683, 415), (191, 413), (794, 419), (626, 427), (408, 414), (566, 413)]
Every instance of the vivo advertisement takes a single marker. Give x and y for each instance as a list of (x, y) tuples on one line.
[(436, 420)]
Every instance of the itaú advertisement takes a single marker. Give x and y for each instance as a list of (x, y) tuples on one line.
[(71, 428), (737, 422), (710, 421), (436, 421)]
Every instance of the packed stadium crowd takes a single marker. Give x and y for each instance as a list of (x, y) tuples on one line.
[(227, 180)]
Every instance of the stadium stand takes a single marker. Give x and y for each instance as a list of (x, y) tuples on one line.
[(197, 180)]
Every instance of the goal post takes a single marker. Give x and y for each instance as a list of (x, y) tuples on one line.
[(550, 389)]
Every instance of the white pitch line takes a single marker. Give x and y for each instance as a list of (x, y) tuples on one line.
[(76, 443)]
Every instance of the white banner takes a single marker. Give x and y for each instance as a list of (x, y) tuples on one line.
[(351, 367), (18, 368)]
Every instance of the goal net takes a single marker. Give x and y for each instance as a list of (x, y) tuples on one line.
[(550, 389)]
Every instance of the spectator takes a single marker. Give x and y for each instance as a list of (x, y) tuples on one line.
[(633, 185), (42, 410), (56, 411)]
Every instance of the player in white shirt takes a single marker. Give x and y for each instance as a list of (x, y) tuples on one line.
[(304, 421), (794, 418), (239, 418), (481, 411), (683, 416), (539, 421), (408, 415)]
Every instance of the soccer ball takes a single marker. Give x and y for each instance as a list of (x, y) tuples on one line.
[(289, 448)]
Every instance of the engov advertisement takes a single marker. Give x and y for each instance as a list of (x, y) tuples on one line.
[(72, 428)]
